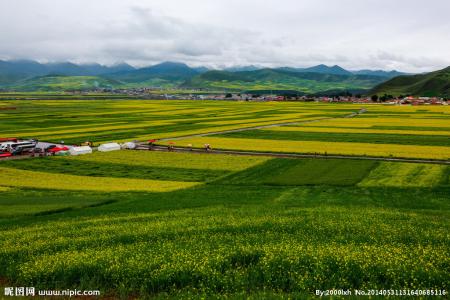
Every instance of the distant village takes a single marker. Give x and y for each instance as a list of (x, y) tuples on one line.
[(158, 94)]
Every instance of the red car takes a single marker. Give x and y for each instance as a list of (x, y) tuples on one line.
[(57, 149)]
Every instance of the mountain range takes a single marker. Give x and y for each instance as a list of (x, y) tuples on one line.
[(26, 75)]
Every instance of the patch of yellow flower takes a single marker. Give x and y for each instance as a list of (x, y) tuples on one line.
[(311, 147), (32, 179)]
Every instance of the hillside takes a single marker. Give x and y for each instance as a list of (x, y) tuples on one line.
[(279, 79), (63, 83), (431, 84)]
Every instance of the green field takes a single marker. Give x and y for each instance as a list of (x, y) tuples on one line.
[(147, 224), (249, 226)]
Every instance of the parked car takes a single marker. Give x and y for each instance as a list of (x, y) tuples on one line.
[(48, 148)]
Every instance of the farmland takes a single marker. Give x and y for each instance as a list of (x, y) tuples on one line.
[(398, 131), (197, 225)]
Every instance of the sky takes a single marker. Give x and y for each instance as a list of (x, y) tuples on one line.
[(405, 35)]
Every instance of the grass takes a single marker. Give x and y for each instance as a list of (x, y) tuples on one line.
[(119, 169), (297, 172), (405, 175), (23, 202), (323, 172)]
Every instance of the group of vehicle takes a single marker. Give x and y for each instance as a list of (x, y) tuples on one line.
[(13, 147)]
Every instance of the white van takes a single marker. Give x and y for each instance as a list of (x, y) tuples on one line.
[(18, 147), (4, 146)]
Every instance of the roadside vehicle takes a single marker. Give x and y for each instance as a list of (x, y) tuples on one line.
[(48, 148), (19, 147)]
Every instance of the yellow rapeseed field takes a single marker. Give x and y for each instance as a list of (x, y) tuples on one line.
[(382, 121), (310, 147), (174, 160), (350, 130), (33, 179)]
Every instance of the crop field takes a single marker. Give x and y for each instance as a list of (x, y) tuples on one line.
[(154, 224), (398, 131), (77, 121), (406, 132), (234, 227)]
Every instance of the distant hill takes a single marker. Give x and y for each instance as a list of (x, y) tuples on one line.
[(172, 71), (13, 71), (17, 70), (63, 83), (280, 79), (97, 69), (381, 73), (431, 84), (321, 69), (242, 68), (201, 69)]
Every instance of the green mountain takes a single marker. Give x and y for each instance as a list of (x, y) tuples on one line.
[(14, 71), (388, 74), (26, 75), (169, 71), (280, 79), (322, 69), (430, 84), (63, 83)]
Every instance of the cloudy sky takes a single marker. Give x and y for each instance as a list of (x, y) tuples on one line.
[(407, 35)]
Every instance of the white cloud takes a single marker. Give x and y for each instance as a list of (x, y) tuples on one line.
[(407, 35)]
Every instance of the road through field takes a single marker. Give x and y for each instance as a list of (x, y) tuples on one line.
[(293, 155)]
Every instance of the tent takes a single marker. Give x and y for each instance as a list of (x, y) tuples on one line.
[(109, 147), (80, 150), (129, 145)]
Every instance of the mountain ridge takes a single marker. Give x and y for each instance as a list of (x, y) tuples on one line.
[(18, 75)]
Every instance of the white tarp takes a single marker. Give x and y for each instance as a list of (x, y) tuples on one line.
[(80, 150), (109, 147), (129, 145)]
